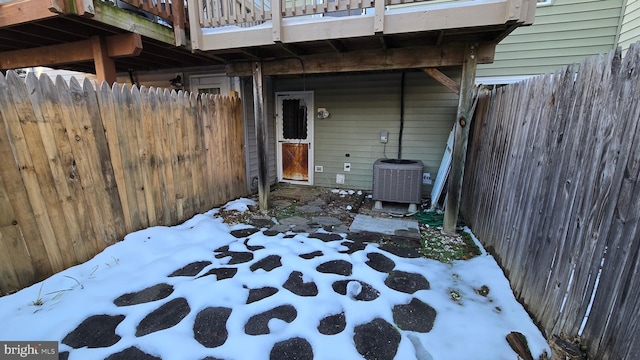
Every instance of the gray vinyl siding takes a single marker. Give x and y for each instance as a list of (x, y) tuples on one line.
[(630, 29), (361, 106), (563, 33)]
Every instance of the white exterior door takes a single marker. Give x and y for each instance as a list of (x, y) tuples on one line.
[(294, 127)]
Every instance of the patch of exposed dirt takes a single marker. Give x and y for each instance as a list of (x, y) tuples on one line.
[(310, 201), (304, 201)]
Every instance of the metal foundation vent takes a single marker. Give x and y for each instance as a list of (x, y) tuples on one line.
[(397, 180)]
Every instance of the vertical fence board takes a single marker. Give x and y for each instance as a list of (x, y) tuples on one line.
[(207, 121), (108, 114), (240, 174), (40, 197), (138, 121), (13, 251), (58, 150), (165, 146), (597, 167), (181, 176), (131, 160), (80, 132), (227, 150), (192, 124), (172, 129), (554, 187), (200, 150), (9, 236), (577, 98), (21, 215), (94, 126), (620, 270), (153, 137), (216, 132)]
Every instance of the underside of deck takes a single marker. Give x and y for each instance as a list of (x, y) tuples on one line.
[(383, 37), (44, 33)]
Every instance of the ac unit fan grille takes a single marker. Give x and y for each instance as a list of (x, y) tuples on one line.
[(397, 181)]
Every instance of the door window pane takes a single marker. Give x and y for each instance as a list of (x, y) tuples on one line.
[(211, 90), (294, 119)]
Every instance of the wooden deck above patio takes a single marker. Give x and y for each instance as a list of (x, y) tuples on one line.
[(314, 36), (288, 36)]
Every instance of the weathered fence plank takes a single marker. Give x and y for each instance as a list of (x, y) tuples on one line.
[(163, 118), (143, 154), (58, 150), (84, 166), (127, 132), (218, 148), (25, 237), (112, 210), (618, 290), (19, 110), (149, 158), (107, 100), (208, 148), (240, 176), (554, 191), (12, 249)]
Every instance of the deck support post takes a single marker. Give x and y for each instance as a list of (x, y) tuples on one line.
[(261, 136), (461, 137), (105, 66), (179, 33)]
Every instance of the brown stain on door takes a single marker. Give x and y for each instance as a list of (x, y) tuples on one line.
[(295, 165)]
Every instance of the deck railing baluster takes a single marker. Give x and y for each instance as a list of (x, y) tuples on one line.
[(216, 13)]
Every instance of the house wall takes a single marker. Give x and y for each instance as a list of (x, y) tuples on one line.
[(363, 105), (161, 78), (565, 32), (630, 29)]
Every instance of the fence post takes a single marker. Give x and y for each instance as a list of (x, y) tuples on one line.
[(458, 156)]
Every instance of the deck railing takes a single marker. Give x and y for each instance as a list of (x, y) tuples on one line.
[(168, 12), (217, 13)]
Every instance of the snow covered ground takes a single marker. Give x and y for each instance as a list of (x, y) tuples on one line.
[(474, 306)]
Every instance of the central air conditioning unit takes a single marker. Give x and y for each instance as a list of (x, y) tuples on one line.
[(398, 181)]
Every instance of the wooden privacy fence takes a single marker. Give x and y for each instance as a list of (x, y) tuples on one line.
[(83, 167), (552, 186)]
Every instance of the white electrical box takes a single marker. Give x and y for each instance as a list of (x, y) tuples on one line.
[(384, 136), (426, 178)]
